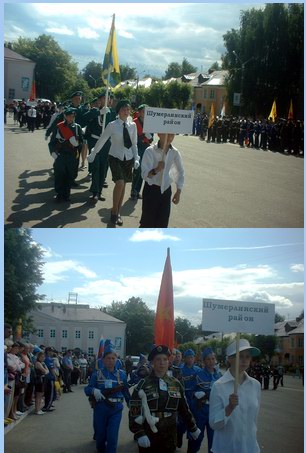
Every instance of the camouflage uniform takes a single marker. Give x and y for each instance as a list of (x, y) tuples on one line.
[(166, 404)]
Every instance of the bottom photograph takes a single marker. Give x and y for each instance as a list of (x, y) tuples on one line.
[(153, 340)]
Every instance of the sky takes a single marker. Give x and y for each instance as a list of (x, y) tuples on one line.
[(101, 266), (149, 35)]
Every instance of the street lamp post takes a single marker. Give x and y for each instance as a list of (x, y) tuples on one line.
[(243, 64), (93, 79), (181, 335)]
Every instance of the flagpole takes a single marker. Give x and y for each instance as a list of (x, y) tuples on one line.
[(108, 78), (237, 363)]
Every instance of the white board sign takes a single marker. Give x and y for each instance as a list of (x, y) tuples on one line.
[(238, 316), (168, 121)]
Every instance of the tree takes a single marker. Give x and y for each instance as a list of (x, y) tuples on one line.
[(55, 72), (266, 344), (127, 73), (22, 274), (279, 318), (214, 67), (139, 321), (268, 60), (92, 73), (177, 70), (184, 331)]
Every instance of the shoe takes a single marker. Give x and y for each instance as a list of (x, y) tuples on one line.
[(70, 391), (94, 198), (8, 420), (19, 413), (66, 199), (39, 413), (58, 198), (133, 197), (105, 185), (119, 220), (179, 440), (139, 196), (114, 218), (101, 198)]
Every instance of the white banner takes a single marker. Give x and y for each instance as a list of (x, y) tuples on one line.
[(237, 316), (168, 121)]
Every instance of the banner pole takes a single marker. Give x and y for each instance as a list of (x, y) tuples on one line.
[(237, 363)]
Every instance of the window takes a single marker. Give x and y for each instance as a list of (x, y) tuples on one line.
[(77, 334), (212, 94), (64, 334), (292, 342), (40, 333), (205, 94), (300, 343), (52, 333), (91, 335), (90, 351), (11, 93)]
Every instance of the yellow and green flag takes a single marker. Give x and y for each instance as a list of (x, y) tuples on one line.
[(111, 63)]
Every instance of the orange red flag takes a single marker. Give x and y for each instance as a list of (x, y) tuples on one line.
[(290, 113), (164, 318), (33, 91)]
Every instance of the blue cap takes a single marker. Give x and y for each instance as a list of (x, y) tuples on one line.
[(206, 352), (189, 352), (108, 348), (36, 349)]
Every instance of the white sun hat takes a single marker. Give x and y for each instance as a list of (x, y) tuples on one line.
[(243, 346)]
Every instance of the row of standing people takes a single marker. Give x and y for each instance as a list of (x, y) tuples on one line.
[(280, 135), (125, 148)]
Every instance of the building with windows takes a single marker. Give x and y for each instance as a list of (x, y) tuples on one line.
[(75, 326), (18, 75), (290, 342)]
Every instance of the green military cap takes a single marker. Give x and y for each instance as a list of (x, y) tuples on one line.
[(102, 93), (122, 103), (142, 106), (160, 349), (76, 93), (93, 100), (70, 111)]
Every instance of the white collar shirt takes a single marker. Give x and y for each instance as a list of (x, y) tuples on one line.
[(114, 131), (173, 171), (32, 113), (237, 432)]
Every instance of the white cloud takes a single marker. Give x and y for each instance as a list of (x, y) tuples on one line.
[(87, 33), (297, 267), (60, 30), (61, 270), (125, 34), (48, 252), (152, 235)]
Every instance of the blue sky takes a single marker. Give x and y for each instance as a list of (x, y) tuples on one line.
[(246, 264), (149, 35)]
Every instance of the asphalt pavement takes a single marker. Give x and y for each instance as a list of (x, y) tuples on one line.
[(69, 428), (225, 187)]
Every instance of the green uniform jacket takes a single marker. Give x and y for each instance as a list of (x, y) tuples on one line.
[(161, 402)]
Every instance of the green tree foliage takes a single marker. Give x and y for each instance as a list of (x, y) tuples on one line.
[(266, 344), (214, 67), (178, 70), (184, 331), (92, 73), (269, 43), (139, 320), (55, 72), (279, 318), (127, 73), (22, 274)]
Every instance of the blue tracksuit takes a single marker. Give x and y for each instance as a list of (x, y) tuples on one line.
[(190, 383), (107, 418), (200, 410)]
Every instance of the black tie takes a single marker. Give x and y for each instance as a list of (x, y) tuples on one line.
[(126, 137)]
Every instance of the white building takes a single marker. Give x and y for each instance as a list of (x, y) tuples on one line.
[(70, 326), (18, 75)]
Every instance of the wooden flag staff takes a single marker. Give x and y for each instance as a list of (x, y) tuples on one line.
[(237, 363)]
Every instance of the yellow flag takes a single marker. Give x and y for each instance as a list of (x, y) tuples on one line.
[(212, 115), (111, 62), (273, 113), (290, 113)]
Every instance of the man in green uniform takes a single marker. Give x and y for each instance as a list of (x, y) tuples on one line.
[(98, 168), (156, 402), (65, 145)]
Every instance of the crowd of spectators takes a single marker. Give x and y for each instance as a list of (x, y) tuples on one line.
[(31, 115)]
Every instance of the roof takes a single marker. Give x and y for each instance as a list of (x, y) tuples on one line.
[(299, 329), (285, 328), (75, 312), (9, 54), (216, 78)]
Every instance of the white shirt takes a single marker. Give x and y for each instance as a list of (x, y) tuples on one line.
[(32, 113), (237, 432), (173, 171), (114, 131)]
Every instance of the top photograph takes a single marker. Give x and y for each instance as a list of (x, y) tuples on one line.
[(143, 115)]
